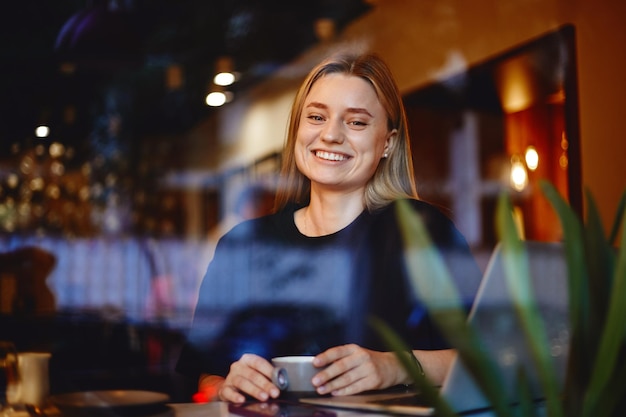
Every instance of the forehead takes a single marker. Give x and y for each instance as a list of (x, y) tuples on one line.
[(340, 87)]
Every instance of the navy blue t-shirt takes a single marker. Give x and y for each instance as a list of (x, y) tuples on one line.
[(273, 291)]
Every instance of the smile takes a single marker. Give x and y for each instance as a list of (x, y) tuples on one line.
[(330, 156)]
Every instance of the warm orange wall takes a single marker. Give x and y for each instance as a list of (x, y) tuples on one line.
[(418, 39), (602, 89)]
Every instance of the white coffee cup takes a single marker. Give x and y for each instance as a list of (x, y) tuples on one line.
[(34, 385), (294, 373)]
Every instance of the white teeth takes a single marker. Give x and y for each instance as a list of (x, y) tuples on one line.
[(330, 156)]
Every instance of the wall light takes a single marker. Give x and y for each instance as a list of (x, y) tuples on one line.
[(532, 158), (519, 176)]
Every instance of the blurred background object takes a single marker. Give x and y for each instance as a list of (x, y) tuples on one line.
[(23, 287)]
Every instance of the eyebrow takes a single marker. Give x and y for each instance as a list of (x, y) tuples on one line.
[(360, 110)]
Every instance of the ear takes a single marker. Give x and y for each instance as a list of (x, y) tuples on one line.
[(390, 142)]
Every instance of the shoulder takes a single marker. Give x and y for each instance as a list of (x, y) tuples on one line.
[(440, 226), (263, 227), (428, 211)]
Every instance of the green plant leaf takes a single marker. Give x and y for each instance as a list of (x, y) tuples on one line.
[(615, 391), (600, 260), (424, 387), (619, 216), (433, 285), (579, 365), (515, 260), (526, 405), (613, 337)]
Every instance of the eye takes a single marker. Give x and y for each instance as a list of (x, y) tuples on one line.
[(315, 118), (357, 124)]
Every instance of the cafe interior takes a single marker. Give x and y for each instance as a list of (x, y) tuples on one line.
[(131, 130)]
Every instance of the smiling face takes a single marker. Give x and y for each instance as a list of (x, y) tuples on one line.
[(342, 134)]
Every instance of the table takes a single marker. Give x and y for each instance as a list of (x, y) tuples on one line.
[(224, 409), (221, 409)]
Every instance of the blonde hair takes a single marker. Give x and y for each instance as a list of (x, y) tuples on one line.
[(394, 177)]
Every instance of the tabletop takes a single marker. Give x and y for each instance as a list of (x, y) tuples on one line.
[(221, 409)]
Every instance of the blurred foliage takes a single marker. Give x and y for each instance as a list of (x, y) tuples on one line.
[(595, 381)]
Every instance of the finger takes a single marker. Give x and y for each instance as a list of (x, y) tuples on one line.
[(333, 354), (264, 387), (247, 385), (330, 375), (361, 378), (258, 371), (245, 378), (338, 360), (258, 363), (350, 375), (345, 384), (230, 394)]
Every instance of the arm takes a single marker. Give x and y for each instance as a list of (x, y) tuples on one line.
[(209, 386), (435, 364), (352, 369)]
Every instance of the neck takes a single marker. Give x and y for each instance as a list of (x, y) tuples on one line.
[(328, 213)]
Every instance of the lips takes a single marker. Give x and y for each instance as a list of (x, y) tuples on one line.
[(331, 156)]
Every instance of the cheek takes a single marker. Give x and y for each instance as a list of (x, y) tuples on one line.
[(375, 145), (381, 143), (299, 152), (304, 138), (306, 133), (300, 143)]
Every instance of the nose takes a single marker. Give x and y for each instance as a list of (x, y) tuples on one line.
[(332, 132)]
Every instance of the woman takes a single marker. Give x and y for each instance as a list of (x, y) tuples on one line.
[(333, 249)]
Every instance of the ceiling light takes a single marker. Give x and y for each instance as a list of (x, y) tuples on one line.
[(42, 131), (216, 99), (224, 78)]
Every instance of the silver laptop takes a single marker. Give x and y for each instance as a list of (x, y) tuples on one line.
[(494, 318)]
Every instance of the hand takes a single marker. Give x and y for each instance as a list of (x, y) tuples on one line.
[(251, 375), (353, 369)]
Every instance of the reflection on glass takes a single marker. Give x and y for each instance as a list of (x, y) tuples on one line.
[(224, 78), (523, 129), (519, 177), (215, 99), (56, 150), (532, 158)]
